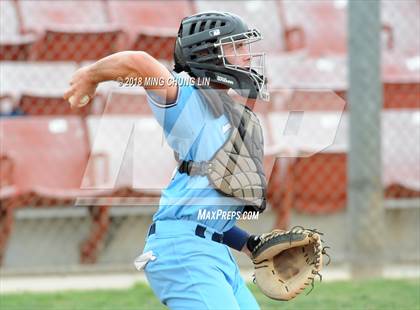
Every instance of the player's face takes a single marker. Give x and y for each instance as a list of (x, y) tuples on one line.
[(237, 54)]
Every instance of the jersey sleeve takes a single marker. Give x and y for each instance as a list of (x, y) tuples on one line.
[(182, 120)]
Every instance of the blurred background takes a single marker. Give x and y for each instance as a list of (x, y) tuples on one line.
[(79, 187)]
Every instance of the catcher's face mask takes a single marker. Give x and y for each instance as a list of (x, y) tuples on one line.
[(236, 54)]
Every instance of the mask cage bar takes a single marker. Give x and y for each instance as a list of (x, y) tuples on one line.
[(255, 71)]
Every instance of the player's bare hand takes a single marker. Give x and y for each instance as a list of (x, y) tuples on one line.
[(82, 88)]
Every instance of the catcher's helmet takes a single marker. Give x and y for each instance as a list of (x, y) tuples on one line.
[(200, 51)]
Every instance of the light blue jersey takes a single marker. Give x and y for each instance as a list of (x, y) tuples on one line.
[(191, 269), (196, 134)]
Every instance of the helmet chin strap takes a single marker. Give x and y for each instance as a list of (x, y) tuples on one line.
[(249, 102), (219, 86)]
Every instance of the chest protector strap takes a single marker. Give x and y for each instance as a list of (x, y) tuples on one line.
[(236, 169)]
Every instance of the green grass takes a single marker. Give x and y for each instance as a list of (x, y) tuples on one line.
[(373, 294)]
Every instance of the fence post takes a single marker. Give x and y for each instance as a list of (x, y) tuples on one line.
[(365, 199)]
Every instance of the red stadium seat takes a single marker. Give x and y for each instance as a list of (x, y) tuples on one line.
[(46, 78), (297, 125), (400, 74), (402, 95), (398, 191), (301, 72), (152, 25), (72, 30), (49, 162), (45, 105), (311, 82), (318, 185), (156, 14), (43, 14), (17, 48), (262, 15), (313, 100), (78, 46), (13, 45), (38, 88), (30, 142), (159, 45), (291, 130), (321, 26), (403, 25), (401, 152), (314, 185), (48, 159), (314, 19), (139, 156)]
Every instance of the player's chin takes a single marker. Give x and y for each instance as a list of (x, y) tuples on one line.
[(245, 65)]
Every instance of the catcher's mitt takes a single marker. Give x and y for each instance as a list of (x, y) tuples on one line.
[(286, 262)]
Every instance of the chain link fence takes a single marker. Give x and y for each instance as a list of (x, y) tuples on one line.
[(79, 187)]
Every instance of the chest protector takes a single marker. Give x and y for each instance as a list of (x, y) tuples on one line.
[(236, 169)]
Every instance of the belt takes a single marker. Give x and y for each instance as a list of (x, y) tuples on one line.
[(199, 231)]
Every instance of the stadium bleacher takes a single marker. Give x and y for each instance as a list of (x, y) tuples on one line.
[(261, 15), (14, 45), (44, 105), (323, 174), (69, 30), (53, 165), (46, 171), (305, 16), (40, 77), (151, 25), (46, 81), (126, 130), (311, 190), (44, 155), (43, 14), (30, 142), (404, 34)]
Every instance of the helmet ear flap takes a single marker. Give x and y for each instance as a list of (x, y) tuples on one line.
[(180, 64)]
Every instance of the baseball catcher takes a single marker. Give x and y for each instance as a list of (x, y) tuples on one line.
[(218, 144)]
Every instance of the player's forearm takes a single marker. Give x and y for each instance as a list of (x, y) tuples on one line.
[(133, 64), (122, 65), (119, 65)]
